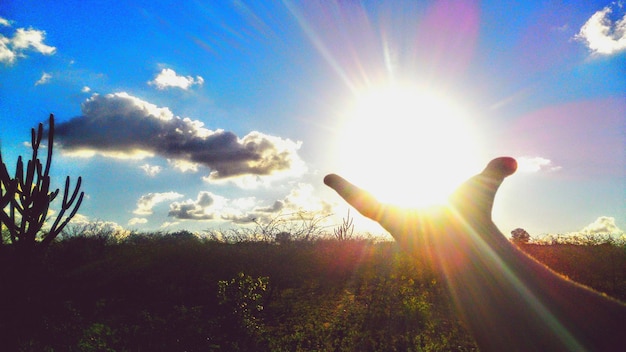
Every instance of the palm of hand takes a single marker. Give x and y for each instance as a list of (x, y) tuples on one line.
[(416, 229)]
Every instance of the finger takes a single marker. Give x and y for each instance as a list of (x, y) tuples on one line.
[(475, 197), (361, 200), (500, 168)]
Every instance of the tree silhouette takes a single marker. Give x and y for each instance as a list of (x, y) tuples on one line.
[(520, 236)]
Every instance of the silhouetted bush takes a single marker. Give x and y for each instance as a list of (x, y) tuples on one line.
[(520, 236)]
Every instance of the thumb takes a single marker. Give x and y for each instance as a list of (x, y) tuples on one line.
[(500, 168), (475, 197)]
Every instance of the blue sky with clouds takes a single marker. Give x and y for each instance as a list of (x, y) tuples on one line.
[(197, 115)]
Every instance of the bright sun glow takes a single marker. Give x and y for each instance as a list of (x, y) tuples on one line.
[(407, 145)]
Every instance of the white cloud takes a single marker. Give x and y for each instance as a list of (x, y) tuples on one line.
[(151, 170), (602, 35), (169, 224), (23, 40), (602, 226), (32, 39), (85, 89), (208, 206), (45, 78), (6, 54), (136, 221), (168, 78), (148, 201), (301, 199), (90, 227), (183, 165), (529, 164), (4, 22)]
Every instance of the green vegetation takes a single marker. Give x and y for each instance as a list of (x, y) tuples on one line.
[(176, 292)]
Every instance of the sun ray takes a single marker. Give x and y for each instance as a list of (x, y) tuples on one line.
[(394, 136)]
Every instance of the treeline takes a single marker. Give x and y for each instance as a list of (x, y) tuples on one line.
[(177, 292)]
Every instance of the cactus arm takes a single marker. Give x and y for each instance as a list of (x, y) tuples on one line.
[(58, 225)]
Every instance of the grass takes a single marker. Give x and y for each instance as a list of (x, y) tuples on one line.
[(179, 293)]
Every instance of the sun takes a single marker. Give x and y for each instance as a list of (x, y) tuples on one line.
[(406, 144)]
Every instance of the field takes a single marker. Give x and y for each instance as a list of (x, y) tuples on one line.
[(176, 292)]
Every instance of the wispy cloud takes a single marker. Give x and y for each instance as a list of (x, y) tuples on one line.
[(45, 78), (4, 22), (169, 224), (137, 221), (562, 28), (151, 170), (6, 54), (148, 201), (85, 89), (535, 164), (183, 165), (23, 40), (590, 145), (123, 126), (168, 78), (602, 35)]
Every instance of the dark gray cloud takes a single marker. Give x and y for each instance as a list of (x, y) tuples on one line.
[(274, 208), (199, 209), (121, 125)]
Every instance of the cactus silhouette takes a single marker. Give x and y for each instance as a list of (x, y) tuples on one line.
[(26, 197)]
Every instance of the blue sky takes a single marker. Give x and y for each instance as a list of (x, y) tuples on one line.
[(201, 115)]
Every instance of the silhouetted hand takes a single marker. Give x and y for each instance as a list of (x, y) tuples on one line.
[(509, 301), (418, 230)]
